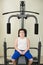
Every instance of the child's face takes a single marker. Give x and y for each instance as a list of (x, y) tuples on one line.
[(22, 34)]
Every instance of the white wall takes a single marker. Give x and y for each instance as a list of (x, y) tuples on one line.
[(13, 5)]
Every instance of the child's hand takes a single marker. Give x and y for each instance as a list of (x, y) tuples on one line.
[(24, 52), (20, 52)]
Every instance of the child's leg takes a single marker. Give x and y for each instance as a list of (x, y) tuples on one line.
[(29, 57), (30, 61), (15, 56), (14, 62)]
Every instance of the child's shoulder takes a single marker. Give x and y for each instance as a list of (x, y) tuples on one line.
[(16, 39), (28, 39)]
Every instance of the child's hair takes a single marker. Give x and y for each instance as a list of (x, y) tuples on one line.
[(25, 32)]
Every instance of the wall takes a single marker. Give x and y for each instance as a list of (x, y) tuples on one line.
[(13, 5)]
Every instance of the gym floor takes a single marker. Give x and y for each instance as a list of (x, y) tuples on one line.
[(2, 61)]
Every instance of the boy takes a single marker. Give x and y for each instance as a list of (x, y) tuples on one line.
[(22, 45)]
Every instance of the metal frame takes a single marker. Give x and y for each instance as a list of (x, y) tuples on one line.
[(36, 60), (22, 14), (22, 18)]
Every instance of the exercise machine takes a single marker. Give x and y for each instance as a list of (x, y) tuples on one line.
[(22, 15), (36, 60)]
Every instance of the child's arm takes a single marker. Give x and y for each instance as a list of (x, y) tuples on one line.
[(16, 46), (28, 44)]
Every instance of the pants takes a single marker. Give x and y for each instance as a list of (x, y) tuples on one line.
[(16, 55)]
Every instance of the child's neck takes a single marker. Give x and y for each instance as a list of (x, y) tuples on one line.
[(22, 37)]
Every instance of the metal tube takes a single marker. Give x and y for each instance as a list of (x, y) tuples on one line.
[(11, 17), (5, 53), (22, 23), (22, 7), (19, 12), (39, 52), (28, 15)]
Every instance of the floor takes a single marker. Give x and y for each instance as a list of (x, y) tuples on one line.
[(2, 60)]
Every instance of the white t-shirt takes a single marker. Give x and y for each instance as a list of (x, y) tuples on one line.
[(22, 43)]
